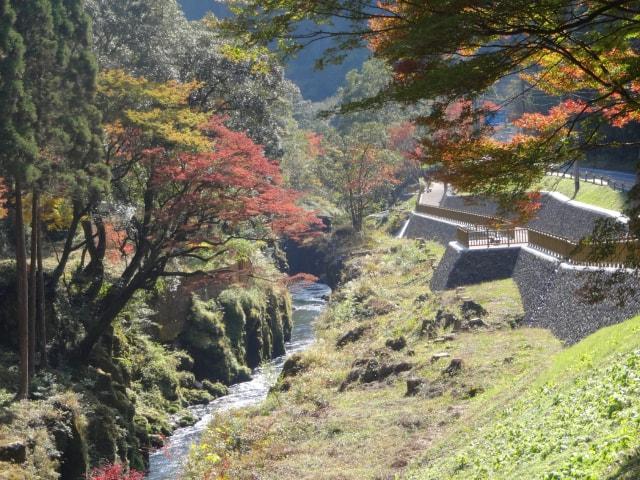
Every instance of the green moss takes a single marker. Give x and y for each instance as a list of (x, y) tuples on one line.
[(215, 389), (206, 339), (258, 322)]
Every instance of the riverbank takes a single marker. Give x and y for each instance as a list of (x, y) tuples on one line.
[(408, 383), (168, 355), (308, 302)]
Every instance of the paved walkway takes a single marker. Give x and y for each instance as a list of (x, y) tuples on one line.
[(434, 195)]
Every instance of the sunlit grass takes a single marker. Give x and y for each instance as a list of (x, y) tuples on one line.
[(577, 420), (597, 195)]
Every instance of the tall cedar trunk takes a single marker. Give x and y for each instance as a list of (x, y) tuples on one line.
[(576, 177), (41, 319), (23, 296), (32, 283)]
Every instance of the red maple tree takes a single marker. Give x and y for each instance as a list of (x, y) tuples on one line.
[(194, 204)]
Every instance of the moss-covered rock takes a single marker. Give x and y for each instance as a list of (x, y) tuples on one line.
[(206, 340), (216, 389), (236, 332)]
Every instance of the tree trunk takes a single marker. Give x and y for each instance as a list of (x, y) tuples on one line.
[(95, 269), (576, 177), (32, 282), (68, 245), (107, 310), (41, 319), (23, 296)]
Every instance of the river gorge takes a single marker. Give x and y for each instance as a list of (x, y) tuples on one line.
[(308, 302)]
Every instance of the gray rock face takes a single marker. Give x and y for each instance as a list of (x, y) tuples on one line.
[(472, 309), (351, 336), (454, 368), (414, 385), (373, 370), (396, 344)]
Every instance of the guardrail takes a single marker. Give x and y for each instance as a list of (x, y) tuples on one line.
[(498, 237), (595, 179), (616, 255), (459, 216), (477, 231)]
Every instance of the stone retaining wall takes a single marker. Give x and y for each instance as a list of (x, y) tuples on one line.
[(430, 229), (549, 289), (461, 267)]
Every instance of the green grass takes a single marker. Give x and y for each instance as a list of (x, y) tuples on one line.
[(598, 195), (373, 431), (580, 419)]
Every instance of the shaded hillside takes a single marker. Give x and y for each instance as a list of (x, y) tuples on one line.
[(315, 85)]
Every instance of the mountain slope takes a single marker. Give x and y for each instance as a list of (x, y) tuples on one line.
[(315, 85)]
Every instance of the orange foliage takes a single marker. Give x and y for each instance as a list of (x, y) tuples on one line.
[(556, 118), (117, 246), (314, 144)]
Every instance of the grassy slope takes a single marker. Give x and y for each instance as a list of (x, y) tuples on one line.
[(372, 431), (540, 412), (598, 195), (580, 419)]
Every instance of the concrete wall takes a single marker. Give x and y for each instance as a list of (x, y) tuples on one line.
[(549, 289), (423, 227), (557, 215)]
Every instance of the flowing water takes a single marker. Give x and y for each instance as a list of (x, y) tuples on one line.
[(308, 303)]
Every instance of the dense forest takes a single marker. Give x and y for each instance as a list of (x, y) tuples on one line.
[(172, 171)]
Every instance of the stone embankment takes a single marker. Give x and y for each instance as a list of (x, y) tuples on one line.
[(553, 293), (557, 215)]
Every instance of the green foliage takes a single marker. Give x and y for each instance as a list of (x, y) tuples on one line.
[(577, 421), (372, 78), (33, 424), (16, 135), (218, 354), (358, 170)]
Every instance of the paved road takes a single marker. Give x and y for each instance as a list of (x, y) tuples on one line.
[(434, 195)]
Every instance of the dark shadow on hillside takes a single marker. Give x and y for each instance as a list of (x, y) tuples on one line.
[(629, 468)]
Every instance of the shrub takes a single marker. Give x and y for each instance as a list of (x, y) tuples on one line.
[(114, 472)]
